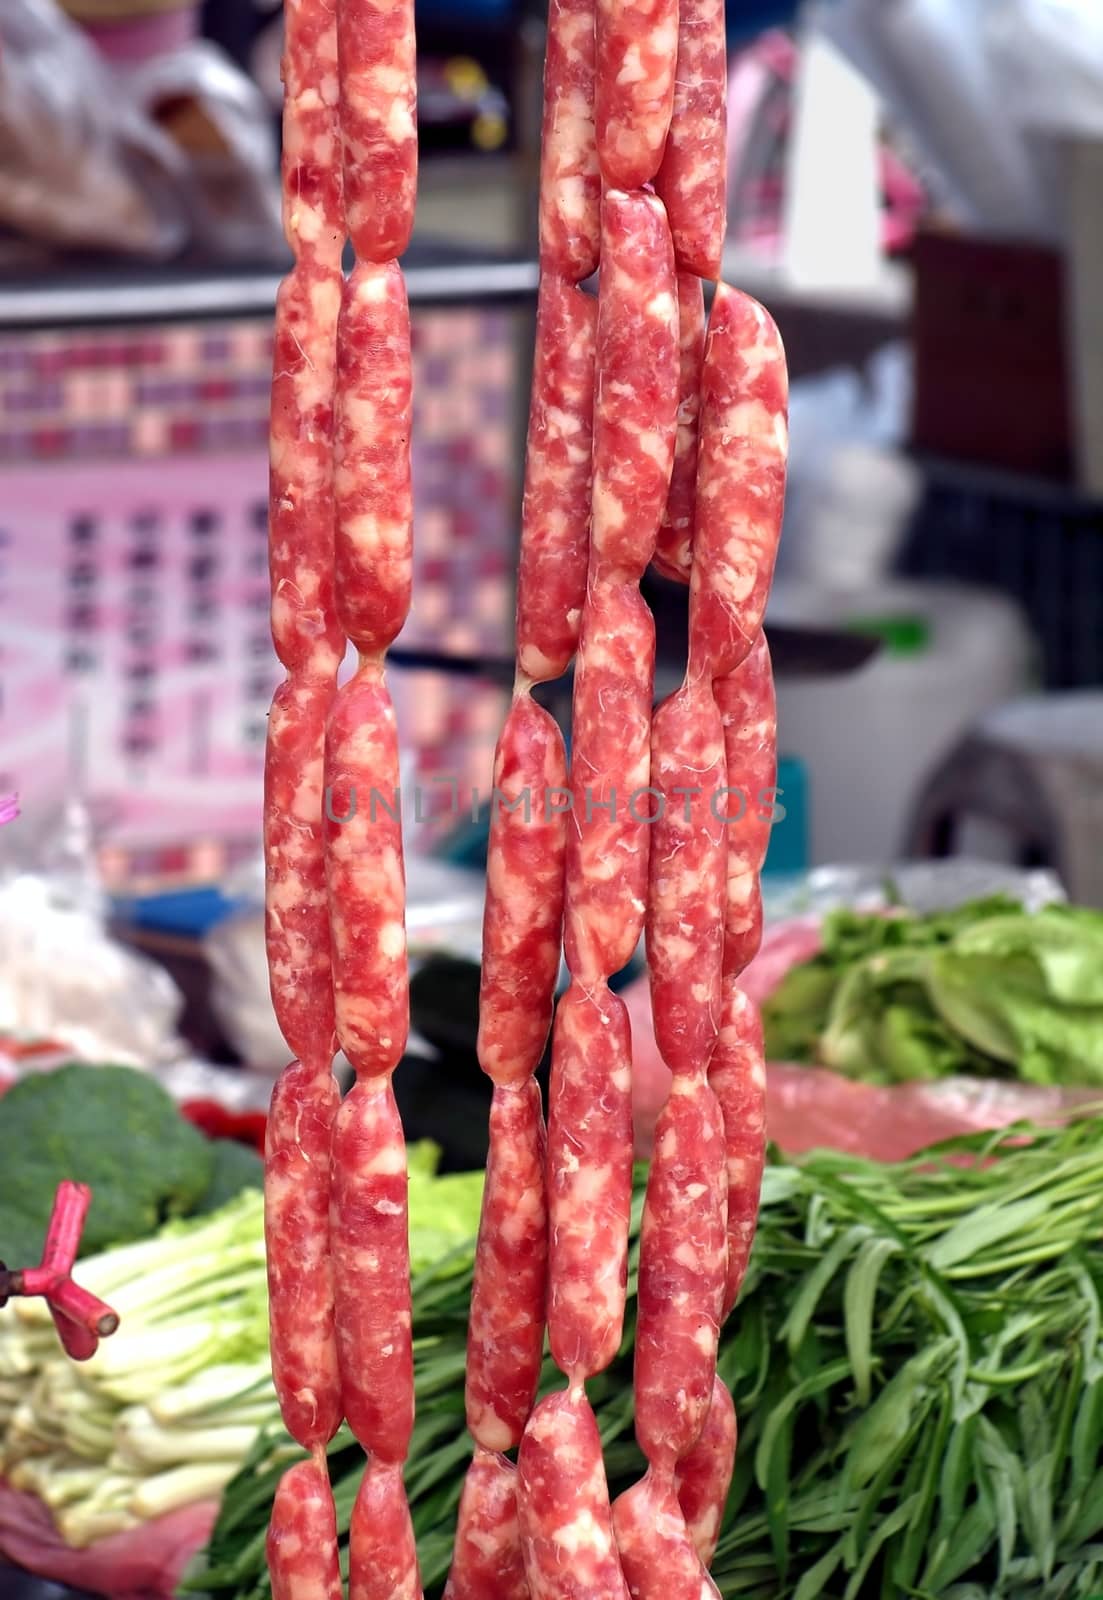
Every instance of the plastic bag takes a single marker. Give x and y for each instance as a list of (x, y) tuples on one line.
[(228, 185), (63, 979), (179, 150), (1048, 56), (79, 165), (145, 1563), (931, 62), (922, 886)]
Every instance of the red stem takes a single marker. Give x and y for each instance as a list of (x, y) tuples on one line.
[(81, 1318), (66, 1221), (79, 1344), (83, 1307)]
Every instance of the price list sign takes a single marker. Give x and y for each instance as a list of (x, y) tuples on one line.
[(137, 667)]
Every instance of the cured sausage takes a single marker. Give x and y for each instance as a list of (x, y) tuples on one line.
[(740, 482), (296, 1232), (487, 1563), (683, 1257), (371, 1269), (636, 53), (570, 182), (378, 88), (371, 479), (636, 406), (674, 547), (555, 526), (382, 1552), (738, 1078), (748, 708), (657, 1553), (563, 1505), (609, 834), (692, 181), (589, 1178), (685, 937), (523, 919), (505, 1342), (302, 1536), (703, 1477)]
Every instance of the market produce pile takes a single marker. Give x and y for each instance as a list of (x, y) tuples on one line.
[(917, 1367), (987, 989), (164, 1413)]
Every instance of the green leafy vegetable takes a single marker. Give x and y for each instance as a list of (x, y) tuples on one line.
[(922, 1419), (110, 1127), (986, 989)]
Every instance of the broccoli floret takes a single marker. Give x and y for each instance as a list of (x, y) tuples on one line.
[(110, 1127), (235, 1167)]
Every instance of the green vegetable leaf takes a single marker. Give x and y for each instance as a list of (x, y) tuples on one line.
[(858, 1301)]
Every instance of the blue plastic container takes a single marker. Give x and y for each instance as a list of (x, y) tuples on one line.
[(788, 852)]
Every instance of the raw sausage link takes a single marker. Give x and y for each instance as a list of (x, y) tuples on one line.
[(523, 919), (704, 1476), (683, 1257), (563, 1503), (636, 53), (300, 552), (378, 90), (636, 406), (302, 1542), (371, 479), (371, 1270), (300, 1273), (487, 1563), (740, 482), (367, 882), (738, 1078), (748, 708), (382, 1552), (555, 527), (505, 1341), (685, 938), (608, 838), (674, 548), (523, 923), (302, 1536), (589, 1179), (570, 183), (296, 907), (313, 217), (657, 1553), (692, 181)]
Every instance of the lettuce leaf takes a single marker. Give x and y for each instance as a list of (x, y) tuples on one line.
[(986, 988)]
